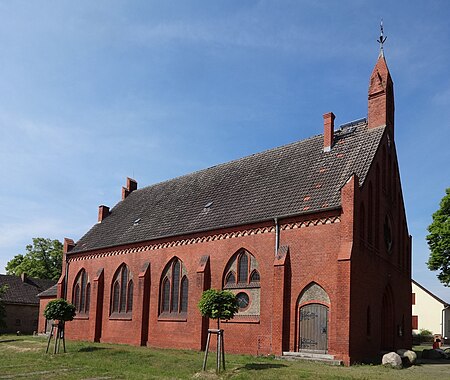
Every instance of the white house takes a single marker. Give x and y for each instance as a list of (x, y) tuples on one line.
[(429, 312)]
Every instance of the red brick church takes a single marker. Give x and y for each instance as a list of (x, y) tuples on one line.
[(311, 237)]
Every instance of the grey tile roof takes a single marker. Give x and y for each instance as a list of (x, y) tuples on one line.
[(291, 179), (19, 292), (50, 292)]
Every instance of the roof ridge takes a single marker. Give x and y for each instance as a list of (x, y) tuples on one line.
[(294, 178), (280, 147)]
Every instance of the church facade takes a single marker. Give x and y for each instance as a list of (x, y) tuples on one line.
[(311, 237)]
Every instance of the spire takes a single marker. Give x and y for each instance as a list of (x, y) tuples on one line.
[(381, 93), (381, 40)]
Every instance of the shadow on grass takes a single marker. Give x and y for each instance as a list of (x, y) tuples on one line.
[(261, 366), (92, 349), (9, 340), (421, 362)]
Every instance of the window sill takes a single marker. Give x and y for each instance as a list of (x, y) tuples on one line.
[(172, 318), (120, 316), (81, 317)]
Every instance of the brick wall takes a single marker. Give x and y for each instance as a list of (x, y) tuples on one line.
[(43, 301), (23, 318)]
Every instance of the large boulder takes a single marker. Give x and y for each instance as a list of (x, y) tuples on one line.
[(408, 357), (392, 359)]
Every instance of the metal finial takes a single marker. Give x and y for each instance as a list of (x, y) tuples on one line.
[(382, 38)]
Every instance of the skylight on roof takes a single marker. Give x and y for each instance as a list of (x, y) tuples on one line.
[(208, 205), (136, 222)]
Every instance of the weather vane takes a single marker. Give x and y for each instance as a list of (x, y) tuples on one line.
[(382, 39)]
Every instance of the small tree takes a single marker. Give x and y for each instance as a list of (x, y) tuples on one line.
[(218, 304), (62, 311), (439, 240)]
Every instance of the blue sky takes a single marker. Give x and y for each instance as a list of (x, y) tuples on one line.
[(93, 92)]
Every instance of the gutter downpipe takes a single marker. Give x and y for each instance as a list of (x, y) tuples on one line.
[(277, 235)]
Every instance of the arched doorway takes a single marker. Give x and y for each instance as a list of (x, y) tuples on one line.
[(313, 328), (313, 315)]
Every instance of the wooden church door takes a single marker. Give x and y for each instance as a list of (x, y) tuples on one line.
[(313, 328)]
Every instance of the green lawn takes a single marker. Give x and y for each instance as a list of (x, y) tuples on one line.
[(24, 357)]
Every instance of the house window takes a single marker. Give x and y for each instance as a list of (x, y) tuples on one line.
[(413, 298), (122, 292), (415, 322), (174, 289), (81, 294)]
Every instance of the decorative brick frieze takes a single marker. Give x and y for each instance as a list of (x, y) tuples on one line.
[(203, 239)]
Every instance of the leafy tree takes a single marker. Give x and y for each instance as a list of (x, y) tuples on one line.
[(43, 259), (2, 307), (59, 309), (218, 304), (439, 240)]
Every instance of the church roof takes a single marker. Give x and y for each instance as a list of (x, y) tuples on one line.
[(23, 290), (289, 180)]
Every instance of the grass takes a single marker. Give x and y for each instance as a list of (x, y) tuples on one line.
[(24, 357)]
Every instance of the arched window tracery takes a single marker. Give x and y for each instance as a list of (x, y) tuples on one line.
[(122, 292), (242, 277), (81, 293), (174, 289)]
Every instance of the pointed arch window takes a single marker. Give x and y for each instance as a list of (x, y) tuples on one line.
[(362, 221), (174, 290), (122, 293), (165, 295), (184, 295), (243, 268), (254, 276), (81, 293), (370, 216), (242, 277), (246, 267), (231, 278)]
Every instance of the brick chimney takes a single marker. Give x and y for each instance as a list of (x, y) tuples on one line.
[(103, 212), (328, 131), (131, 186)]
